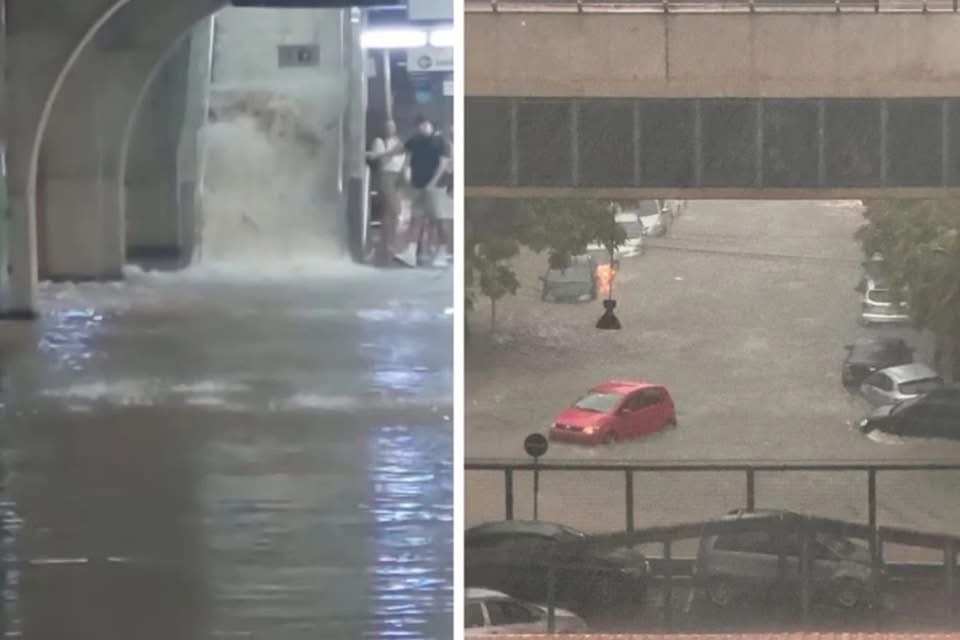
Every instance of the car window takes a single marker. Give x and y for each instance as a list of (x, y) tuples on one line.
[(645, 398), (752, 542), (473, 616), (598, 402), (880, 381), (917, 387), (880, 295), (504, 612)]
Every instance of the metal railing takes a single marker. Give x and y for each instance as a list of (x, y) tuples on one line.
[(628, 470), (723, 6)]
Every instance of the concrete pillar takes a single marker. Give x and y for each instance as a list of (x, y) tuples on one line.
[(190, 148), (356, 133)]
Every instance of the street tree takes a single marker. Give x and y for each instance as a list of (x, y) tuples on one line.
[(920, 243), (496, 230)]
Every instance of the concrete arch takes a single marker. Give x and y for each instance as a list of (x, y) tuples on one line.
[(23, 283)]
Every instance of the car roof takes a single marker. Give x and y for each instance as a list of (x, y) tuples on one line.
[(623, 386), (908, 372), (741, 514), (523, 527)]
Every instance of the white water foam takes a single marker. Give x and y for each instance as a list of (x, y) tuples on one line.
[(272, 191)]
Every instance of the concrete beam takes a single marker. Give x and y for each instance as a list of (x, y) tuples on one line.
[(712, 55)]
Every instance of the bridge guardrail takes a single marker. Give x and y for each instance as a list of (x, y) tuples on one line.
[(722, 6)]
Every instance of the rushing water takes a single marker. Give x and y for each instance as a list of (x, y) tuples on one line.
[(211, 455)]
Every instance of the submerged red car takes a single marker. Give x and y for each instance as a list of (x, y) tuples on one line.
[(615, 410)]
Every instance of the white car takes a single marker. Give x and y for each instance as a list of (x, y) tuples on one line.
[(490, 613), (879, 306), (633, 245), (896, 384)]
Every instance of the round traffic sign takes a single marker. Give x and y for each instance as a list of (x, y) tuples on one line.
[(535, 445)]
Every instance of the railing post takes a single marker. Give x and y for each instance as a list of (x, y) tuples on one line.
[(667, 584), (552, 596), (628, 486), (950, 564), (872, 513), (805, 572), (508, 492), (751, 490)]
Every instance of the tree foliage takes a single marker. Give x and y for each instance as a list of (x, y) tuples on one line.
[(496, 230), (920, 243)]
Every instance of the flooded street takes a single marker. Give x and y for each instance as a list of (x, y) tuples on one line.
[(230, 455)]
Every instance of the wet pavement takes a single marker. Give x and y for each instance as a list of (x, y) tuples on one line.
[(224, 455), (743, 312)]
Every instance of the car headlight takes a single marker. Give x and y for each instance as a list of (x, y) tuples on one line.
[(590, 431)]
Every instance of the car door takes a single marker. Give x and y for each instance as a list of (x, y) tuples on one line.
[(647, 415), (919, 420), (878, 388)]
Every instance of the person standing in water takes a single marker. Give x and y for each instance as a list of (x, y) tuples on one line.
[(427, 156), (389, 187)]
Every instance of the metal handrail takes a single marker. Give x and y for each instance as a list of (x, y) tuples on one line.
[(723, 6)]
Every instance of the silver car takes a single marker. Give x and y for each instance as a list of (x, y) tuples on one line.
[(896, 384), (491, 613), (745, 566), (881, 307)]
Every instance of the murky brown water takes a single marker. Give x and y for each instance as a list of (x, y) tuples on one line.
[(232, 458)]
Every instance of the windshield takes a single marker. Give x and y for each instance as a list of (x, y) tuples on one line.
[(598, 402), (925, 385)]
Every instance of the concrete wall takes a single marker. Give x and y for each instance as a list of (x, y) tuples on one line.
[(712, 55), (152, 217)]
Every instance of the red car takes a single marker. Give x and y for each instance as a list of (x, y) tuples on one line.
[(615, 410)]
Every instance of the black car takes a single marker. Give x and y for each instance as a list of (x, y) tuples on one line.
[(867, 355), (513, 557), (934, 415)]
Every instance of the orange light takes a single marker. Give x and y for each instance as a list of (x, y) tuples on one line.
[(605, 275)]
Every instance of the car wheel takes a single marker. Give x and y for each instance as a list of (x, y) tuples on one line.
[(849, 593), (720, 591), (671, 423)]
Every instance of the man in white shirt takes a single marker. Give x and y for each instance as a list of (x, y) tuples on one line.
[(389, 175)]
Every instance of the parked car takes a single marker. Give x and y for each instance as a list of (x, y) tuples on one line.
[(513, 557), (632, 246), (490, 612), (881, 306), (895, 384), (576, 283), (615, 410), (739, 567), (933, 415), (870, 354)]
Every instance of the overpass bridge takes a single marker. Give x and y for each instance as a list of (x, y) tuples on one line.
[(747, 99), (78, 73)]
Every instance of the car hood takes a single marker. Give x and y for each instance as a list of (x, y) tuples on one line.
[(581, 418)]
